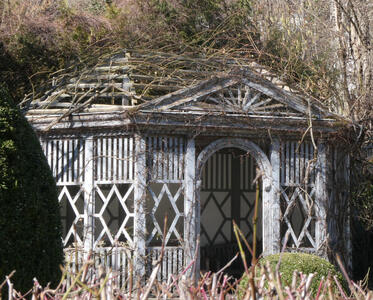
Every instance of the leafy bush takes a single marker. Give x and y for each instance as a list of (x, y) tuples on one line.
[(30, 226), (301, 262)]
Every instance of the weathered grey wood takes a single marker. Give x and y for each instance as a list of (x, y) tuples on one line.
[(88, 187), (190, 93), (268, 191), (271, 203), (190, 202), (139, 206), (321, 198)]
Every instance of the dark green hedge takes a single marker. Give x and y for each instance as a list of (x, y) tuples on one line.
[(30, 225)]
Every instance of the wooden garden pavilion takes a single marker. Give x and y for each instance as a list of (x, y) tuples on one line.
[(142, 136)]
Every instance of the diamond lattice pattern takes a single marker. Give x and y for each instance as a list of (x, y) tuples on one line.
[(71, 199), (114, 214), (298, 217), (165, 199)]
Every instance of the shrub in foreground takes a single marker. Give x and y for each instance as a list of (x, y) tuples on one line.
[(303, 263), (30, 225)]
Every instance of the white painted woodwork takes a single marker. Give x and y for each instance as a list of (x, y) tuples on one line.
[(264, 165), (321, 198), (189, 202), (272, 218), (88, 194), (297, 195), (139, 203)]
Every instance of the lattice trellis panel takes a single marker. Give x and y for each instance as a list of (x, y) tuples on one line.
[(298, 217), (165, 190), (71, 199), (66, 158), (166, 200), (114, 172), (114, 213), (297, 177), (216, 218)]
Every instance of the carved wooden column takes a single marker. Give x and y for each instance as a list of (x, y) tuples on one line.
[(139, 205), (190, 202)]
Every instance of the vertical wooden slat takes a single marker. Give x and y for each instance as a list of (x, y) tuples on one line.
[(55, 158), (175, 158), (181, 158), (81, 160), (131, 154), (158, 147), (297, 164), (164, 265), (171, 159), (174, 262), (292, 163), (301, 163), (66, 160), (110, 154), (50, 155), (287, 158), (115, 159), (105, 158), (213, 173), (224, 170), (190, 205), (76, 160), (229, 173), (165, 159), (71, 159), (126, 158), (312, 153), (99, 159), (120, 158), (169, 263)]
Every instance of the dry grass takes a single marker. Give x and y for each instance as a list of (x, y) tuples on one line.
[(92, 283)]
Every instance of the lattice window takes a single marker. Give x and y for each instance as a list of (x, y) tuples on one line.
[(114, 214), (165, 190), (114, 168), (165, 200), (66, 157), (71, 199), (297, 197)]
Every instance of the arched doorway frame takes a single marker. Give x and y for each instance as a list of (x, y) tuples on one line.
[(270, 226)]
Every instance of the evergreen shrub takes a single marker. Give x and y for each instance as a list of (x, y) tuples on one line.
[(30, 225), (301, 262)]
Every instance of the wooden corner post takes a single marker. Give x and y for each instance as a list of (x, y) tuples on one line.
[(139, 206), (271, 202), (321, 199), (190, 203), (88, 187)]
